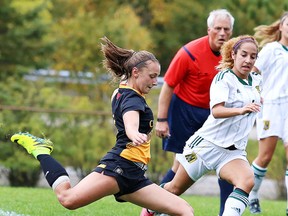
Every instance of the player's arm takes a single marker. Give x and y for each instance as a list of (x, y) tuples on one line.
[(164, 100), (162, 129), (220, 111), (131, 122)]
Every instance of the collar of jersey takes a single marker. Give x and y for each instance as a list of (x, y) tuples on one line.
[(284, 47), (128, 87), (241, 80)]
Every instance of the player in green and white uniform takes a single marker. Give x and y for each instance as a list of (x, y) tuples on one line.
[(220, 143), (272, 122)]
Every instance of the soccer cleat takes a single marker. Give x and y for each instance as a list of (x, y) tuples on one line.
[(287, 212), (147, 212), (255, 206), (33, 145)]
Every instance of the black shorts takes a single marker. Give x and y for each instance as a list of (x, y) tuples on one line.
[(128, 175)]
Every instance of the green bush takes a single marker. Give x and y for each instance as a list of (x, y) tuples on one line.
[(23, 171)]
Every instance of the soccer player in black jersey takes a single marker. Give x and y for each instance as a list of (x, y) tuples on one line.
[(121, 171)]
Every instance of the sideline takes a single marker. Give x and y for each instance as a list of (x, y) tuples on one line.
[(10, 213)]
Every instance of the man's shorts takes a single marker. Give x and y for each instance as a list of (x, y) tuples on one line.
[(184, 120), (205, 157), (128, 175), (273, 120)]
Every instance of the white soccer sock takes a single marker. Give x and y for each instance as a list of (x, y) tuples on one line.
[(236, 203), (60, 180), (259, 174)]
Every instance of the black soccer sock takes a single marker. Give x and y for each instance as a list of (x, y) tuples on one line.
[(52, 169), (168, 177)]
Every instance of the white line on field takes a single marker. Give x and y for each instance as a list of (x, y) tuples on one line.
[(10, 213)]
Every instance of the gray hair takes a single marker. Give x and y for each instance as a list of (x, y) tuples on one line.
[(222, 13)]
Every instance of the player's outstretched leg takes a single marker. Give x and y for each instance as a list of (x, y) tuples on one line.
[(33, 145)]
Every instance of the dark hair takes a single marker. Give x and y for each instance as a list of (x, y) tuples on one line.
[(120, 61)]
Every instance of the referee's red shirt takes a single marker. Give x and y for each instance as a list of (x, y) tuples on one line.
[(191, 72)]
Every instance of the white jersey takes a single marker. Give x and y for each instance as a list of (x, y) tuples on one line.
[(273, 65), (235, 92)]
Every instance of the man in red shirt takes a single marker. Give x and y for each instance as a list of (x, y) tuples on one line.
[(183, 104)]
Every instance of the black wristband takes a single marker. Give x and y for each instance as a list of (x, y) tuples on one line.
[(162, 119)]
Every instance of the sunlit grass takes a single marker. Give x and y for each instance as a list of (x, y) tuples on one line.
[(42, 202)]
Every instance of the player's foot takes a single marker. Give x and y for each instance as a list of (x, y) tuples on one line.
[(254, 206), (287, 212), (147, 212), (33, 145)]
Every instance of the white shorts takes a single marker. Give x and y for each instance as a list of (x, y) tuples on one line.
[(273, 121), (205, 157)]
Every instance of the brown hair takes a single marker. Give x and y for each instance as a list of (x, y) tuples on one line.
[(120, 61), (230, 46), (269, 33)]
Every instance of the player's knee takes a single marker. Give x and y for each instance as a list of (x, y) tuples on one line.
[(187, 210), (173, 188), (67, 202), (248, 183)]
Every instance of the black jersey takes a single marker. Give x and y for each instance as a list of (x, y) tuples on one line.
[(124, 100)]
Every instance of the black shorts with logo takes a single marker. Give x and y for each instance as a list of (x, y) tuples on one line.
[(129, 176)]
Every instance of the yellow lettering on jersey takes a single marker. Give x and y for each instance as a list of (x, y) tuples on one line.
[(102, 165), (151, 124), (130, 145)]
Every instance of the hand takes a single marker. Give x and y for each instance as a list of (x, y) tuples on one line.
[(139, 139), (252, 107), (162, 129)]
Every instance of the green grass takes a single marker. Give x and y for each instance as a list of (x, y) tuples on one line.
[(42, 202)]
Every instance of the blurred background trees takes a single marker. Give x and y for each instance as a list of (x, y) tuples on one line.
[(64, 36)]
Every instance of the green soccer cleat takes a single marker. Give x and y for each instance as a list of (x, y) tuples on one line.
[(33, 145)]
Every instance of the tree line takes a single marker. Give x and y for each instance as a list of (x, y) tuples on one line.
[(65, 35)]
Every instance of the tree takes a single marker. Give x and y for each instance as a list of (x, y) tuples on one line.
[(23, 25), (65, 35), (79, 26), (249, 14)]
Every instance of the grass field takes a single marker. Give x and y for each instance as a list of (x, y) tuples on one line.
[(42, 202)]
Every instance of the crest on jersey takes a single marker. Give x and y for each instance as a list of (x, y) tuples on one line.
[(258, 89), (191, 157), (266, 124)]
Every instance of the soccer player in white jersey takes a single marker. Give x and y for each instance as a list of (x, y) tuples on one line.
[(221, 142), (272, 122)]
